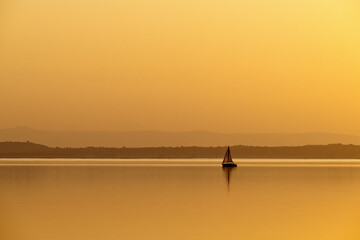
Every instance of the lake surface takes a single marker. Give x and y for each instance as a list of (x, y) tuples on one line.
[(179, 199)]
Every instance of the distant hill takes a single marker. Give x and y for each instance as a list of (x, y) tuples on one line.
[(32, 150), (156, 138)]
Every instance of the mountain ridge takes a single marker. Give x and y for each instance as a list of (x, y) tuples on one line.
[(170, 139)]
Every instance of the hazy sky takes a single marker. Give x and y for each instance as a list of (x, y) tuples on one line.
[(229, 66)]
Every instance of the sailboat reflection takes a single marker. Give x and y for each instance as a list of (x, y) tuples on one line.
[(227, 172)]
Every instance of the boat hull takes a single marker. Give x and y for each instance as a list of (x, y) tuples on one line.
[(229, 165)]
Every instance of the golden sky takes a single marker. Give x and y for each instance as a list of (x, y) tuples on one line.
[(226, 66)]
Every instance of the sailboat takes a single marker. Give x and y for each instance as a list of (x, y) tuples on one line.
[(228, 162)]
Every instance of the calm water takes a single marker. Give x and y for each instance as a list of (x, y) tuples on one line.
[(179, 199)]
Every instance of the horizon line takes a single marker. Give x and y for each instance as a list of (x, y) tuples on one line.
[(219, 146)]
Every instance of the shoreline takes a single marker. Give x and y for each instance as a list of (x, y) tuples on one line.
[(18, 150)]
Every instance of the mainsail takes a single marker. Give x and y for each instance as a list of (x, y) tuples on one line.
[(227, 157)]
